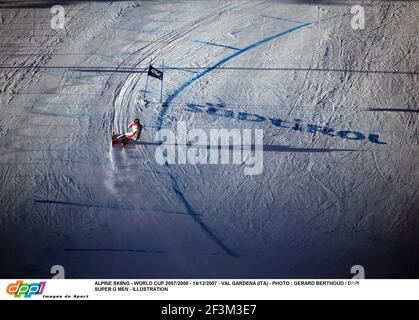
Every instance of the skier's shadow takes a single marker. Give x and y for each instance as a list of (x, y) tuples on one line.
[(266, 148), (147, 143)]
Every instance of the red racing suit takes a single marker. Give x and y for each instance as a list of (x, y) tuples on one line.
[(135, 131)]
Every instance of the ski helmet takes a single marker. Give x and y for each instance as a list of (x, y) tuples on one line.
[(137, 121)]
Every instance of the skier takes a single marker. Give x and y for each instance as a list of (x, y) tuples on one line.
[(136, 128), (135, 133)]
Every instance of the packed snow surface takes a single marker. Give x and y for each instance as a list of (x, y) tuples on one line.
[(339, 113)]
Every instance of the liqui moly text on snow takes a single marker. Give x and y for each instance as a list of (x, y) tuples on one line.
[(27, 290), (220, 146)]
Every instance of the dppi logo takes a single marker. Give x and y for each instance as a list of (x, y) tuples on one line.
[(27, 290)]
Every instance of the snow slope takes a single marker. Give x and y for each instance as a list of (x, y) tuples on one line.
[(323, 204)]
